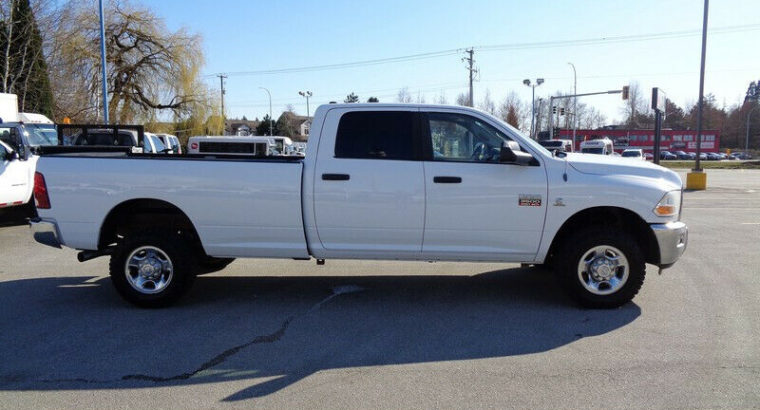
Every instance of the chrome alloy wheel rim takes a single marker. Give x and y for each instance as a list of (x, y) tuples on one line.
[(603, 270), (148, 270)]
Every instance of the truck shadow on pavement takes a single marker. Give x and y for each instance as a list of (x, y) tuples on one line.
[(272, 332)]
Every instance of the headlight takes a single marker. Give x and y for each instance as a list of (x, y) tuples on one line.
[(669, 205)]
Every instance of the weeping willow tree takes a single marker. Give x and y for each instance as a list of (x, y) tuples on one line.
[(153, 74)]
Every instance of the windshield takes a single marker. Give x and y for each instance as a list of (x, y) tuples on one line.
[(156, 143), (592, 150), (631, 154), (42, 134), (551, 144)]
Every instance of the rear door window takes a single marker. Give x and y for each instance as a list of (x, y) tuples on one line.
[(376, 135)]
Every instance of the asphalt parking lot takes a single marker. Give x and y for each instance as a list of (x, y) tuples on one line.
[(365, 334)]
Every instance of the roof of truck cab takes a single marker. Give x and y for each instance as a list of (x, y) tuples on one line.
[(400, 105)]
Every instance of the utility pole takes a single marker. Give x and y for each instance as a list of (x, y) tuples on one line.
[(470, 67), (221, 82)]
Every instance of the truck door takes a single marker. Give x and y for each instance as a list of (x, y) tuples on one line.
[(14, 179), (477, 207), (369, 192)]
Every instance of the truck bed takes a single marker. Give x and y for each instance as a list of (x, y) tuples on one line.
[(241, 207)]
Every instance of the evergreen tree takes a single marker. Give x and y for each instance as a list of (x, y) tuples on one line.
[(351, 98), (264, 125), (27, 76)]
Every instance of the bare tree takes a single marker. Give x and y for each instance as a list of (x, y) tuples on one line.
[(150, 69), (404, 96), (463, 99), (420, 98), (487, 104), (441, 98), (512, 111), (635, 107)]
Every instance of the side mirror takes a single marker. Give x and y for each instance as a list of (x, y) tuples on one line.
[(511, 154)]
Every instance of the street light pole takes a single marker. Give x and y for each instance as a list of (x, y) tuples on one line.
[(103, 61), (746, 140), (271, 127), (306, 94), (575, 102), (527, 82)]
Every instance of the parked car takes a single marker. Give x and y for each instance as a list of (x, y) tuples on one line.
[(667, 155), (742, 155), (602, 146), (153, 144), (634, 153), (377, 179), (682, 155), (557, 145), (712, 156), (16, 176), (703, 156), (171, 141), (648, 156)]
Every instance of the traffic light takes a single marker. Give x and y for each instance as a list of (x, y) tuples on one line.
[(554, 109), (625, 92), (561, 110)]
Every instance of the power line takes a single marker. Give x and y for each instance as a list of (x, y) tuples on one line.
[(501, 47)]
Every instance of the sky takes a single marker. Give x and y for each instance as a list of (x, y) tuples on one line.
[(243, 38)]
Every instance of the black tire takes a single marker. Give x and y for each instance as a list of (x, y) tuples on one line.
[(210, 264), (170, 247), (602, 244)]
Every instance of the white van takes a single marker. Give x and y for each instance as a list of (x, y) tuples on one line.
[(601, 146)]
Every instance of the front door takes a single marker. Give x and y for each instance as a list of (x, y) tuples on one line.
[(477, 207)]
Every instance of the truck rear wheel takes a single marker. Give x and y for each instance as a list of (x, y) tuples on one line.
[(152, 268), (601, 268)]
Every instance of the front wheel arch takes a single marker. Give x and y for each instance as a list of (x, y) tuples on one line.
[(612, 217)]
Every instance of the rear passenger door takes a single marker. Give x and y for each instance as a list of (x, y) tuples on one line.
[(369, 192)]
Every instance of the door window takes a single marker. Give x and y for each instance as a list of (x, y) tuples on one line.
[(458, 137), (376, 135)]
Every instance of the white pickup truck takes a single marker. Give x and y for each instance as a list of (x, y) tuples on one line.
[(380, 181)]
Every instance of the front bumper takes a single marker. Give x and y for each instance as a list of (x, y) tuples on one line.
[(672, 238), (45, 232)]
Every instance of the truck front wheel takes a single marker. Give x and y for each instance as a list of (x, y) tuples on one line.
[(152, 268), (601, 268)]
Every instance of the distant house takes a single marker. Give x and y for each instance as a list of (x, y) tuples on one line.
[(234, 126), (294, 126)]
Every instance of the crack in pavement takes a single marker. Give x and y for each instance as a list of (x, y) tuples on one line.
[(222, 357), (274, 337), (218, 359)]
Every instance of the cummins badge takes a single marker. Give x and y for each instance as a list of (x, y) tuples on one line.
[(529, 200)]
